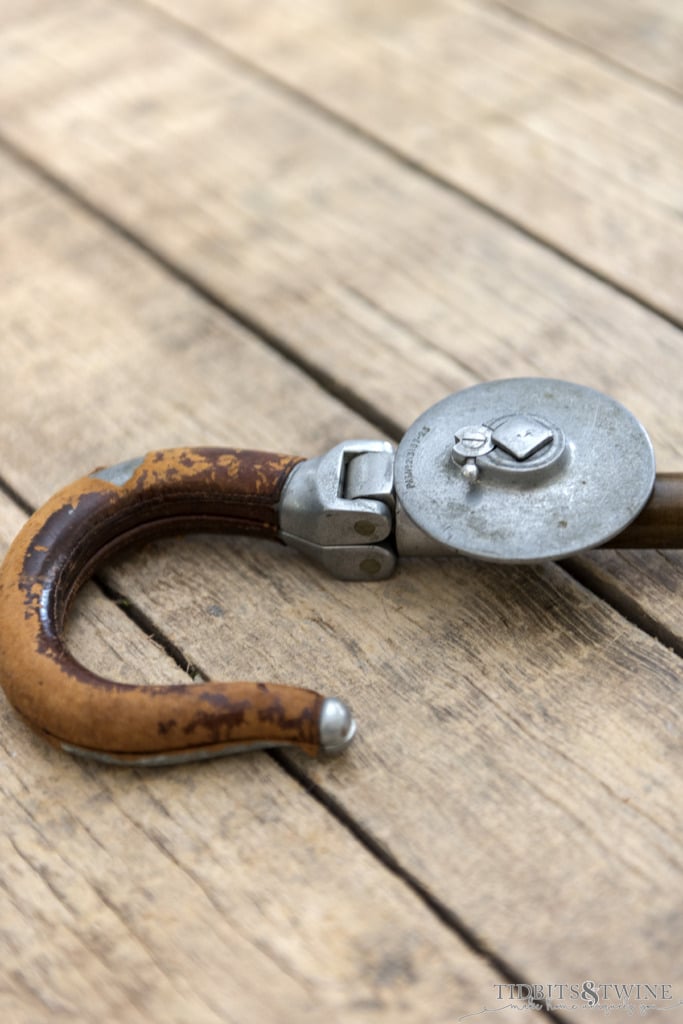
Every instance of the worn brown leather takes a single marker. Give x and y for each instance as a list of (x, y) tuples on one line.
[(185, 489), (181, 490)]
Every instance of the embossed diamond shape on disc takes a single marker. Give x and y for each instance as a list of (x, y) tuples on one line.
[(522, 436)]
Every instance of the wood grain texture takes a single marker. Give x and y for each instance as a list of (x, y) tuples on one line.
[(512, 725), (519, 751), (574, 151), (644, 36), (556, 737), (211, 896), (216, 896), (358, 265), (361, 268)]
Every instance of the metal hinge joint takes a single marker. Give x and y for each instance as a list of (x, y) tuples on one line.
[(339, 510)]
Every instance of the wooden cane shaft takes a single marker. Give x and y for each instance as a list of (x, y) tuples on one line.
[(660, 524)]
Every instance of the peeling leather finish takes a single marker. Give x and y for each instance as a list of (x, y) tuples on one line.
[(175, 491)]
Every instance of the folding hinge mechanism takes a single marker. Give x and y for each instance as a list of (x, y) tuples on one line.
[(338, 510)]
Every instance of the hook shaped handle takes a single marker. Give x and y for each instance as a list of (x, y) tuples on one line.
[(165, 492)]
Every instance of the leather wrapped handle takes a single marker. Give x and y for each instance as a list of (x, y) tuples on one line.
[(169, 492), (165, 492)]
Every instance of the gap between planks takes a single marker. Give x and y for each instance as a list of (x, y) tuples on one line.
[(327, 382), (356, 130), (588, 575), (381, 854), (580, 570), (571, 42)]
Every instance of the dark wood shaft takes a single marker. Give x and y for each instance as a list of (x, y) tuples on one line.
[(660, 524)]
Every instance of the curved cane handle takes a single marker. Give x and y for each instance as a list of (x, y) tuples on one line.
[(165, 492)]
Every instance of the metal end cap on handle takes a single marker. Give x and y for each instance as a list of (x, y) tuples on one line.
[(337, 726)]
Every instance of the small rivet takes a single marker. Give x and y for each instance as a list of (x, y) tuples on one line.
[(364, 528), (470, 472)]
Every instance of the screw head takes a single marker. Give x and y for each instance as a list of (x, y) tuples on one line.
[(471, 442)]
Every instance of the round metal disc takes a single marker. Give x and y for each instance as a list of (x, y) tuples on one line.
[(571, 469)]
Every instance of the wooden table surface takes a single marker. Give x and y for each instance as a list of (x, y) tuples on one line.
[(281, 225)]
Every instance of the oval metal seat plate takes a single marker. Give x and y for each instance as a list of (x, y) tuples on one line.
[(526, 502)]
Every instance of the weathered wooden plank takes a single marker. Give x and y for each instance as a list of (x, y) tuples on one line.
[(362, 268), (219, 892), (216, 895), (571, 149), (647, 585), (381, 258), (541, 744), (645, 36), (511, 724)]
